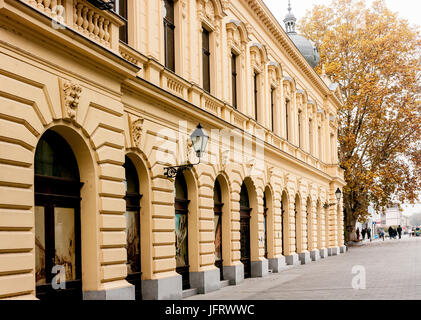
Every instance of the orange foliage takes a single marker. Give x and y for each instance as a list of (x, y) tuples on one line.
[(376, 58)]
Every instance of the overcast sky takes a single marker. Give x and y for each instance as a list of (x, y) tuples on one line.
[(408, 9)]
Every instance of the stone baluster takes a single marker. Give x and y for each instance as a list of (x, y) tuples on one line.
[(79, 16), (85, 20), (40, 5), (96, 28), (91, 26), (107, 33), (101, 29), (47, 8)]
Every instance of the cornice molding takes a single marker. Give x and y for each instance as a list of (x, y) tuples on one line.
[(273, 26)]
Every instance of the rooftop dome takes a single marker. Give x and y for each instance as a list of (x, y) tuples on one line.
[(307, 47)]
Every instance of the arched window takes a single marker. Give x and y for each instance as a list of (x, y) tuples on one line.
[(283, 218), (245, 211), (217, 199), (132, 198), (265, 229), (181, 229), (57, 219)]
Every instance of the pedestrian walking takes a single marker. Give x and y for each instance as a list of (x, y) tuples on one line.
[(381, 234), (400, 232), (358, 234), (363, 232), (369, 233), (390, 231)]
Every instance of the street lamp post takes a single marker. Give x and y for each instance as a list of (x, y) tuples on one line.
[(199, 140)]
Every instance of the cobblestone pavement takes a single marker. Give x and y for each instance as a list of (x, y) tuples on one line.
[(393, 271)]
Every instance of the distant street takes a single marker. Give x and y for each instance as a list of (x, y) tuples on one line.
[(393, 271)]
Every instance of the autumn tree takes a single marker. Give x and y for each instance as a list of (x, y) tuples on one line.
[(376, 58)]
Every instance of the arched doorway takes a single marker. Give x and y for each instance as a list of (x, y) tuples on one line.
[(297, 224), (284, 205), (245, 217), (218, 205), (319, 225), (309, 225), (265, 224), (132, 214), (181, 229), (58, 272), (326, 222)]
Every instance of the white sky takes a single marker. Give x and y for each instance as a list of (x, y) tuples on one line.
[(407, 9), (409, 210)]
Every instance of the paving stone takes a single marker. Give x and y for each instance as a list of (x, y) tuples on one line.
[(392, 267)]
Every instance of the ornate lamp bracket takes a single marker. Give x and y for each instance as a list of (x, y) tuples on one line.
[(172, 172)]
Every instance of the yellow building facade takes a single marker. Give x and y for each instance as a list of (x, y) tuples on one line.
[(95, 103)]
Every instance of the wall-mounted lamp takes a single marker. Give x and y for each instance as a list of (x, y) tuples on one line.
[(200, 140), (338, 195)]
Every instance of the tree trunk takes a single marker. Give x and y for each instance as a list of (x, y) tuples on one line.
[(349, 219)]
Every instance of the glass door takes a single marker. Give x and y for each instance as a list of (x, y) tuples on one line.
[(57, 249), (218, 238), (181, 235), (245, 240)]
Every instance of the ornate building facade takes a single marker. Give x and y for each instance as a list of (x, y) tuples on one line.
[(95, 103)]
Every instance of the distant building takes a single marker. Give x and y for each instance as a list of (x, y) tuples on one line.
[(394, 217)]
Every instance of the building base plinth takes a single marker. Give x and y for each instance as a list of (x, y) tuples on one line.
[(259, 269), (323, 253), (277, 264), (292, 260), (333, 251), (206, 281), (304, 257), (235, 274), (343, 249), (315, 255), (125, 293), (163, 289)]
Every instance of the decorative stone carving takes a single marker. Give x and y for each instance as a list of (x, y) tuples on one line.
[(209, 10), (225, 4), (70, 95), (183, 9), (223, 158), (189, 149), (270, 171), (136, 131)]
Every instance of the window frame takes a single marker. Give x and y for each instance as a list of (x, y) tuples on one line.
[(169, 25), (206, 56), (123, 14), (234, 80), (256, 93)]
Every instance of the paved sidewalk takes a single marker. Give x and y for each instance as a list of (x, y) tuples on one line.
[(393, 271)]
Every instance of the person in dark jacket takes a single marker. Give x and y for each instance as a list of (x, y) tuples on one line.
[(363, 232), (369, 233), (390, 231), (400, 232)]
